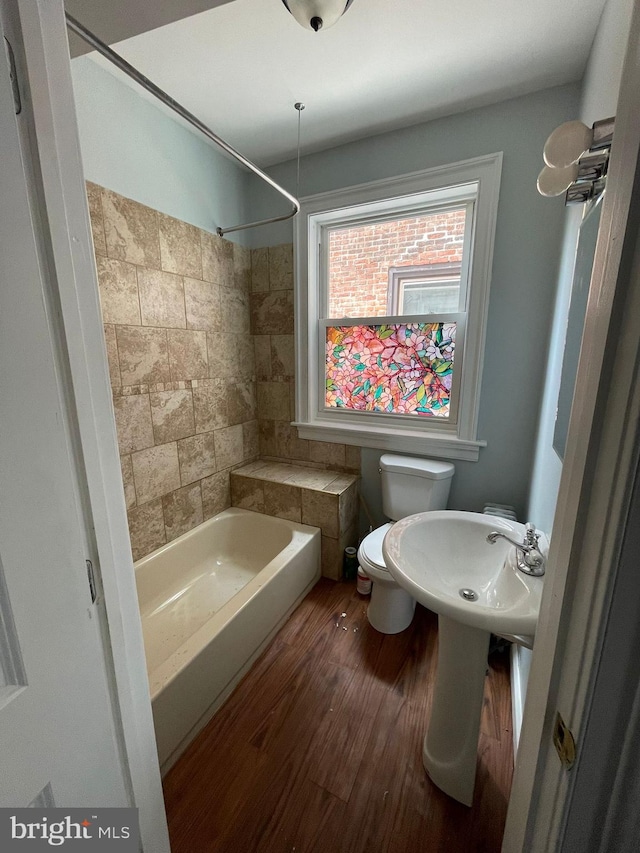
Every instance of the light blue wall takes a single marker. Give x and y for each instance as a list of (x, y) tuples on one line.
[(598, 100), (134, 148), (525, 269)]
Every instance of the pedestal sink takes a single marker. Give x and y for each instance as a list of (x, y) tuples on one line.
[(443, 559)]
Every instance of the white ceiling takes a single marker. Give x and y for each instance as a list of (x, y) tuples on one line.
[(240, 67)]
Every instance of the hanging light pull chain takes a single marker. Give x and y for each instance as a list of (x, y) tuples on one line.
[(299, 106)]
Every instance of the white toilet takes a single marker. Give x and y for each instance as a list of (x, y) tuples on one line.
[(409, 485)]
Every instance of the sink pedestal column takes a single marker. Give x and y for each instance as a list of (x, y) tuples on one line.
[(450, 751)]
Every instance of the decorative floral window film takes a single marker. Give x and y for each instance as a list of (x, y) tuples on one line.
[(397, 368)]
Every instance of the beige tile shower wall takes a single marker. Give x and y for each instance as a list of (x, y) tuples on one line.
[(324, 499), (272, 328), (176, 308)]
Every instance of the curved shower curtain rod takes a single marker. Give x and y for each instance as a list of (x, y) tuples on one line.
[(86, 35)]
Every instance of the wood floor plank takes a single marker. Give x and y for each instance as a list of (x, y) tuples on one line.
[(496, 708), (319, 611), (342, 734), (312, 818), (405, 660), (205, 804), (319, 748), (281, 777), (378, 790)]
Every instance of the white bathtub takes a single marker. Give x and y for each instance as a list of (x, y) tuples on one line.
[(210, 602)]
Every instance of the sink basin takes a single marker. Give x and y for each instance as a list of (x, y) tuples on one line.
[(436, 556), (443, 559)]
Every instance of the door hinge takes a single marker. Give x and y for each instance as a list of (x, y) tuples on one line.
[(92, 581), (564, 742), (13, 76)]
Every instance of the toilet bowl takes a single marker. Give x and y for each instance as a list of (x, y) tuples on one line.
[(409, 484), (391, 608)]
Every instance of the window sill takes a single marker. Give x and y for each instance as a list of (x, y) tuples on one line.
[(402, 440)]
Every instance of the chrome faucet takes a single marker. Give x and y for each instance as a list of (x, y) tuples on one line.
[(530, 559)]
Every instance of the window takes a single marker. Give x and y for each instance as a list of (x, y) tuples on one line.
[(429, 289), (393, 282)]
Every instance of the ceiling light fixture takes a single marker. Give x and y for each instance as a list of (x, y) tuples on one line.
[(317, 14)]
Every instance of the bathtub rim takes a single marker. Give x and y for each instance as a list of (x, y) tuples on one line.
[(229, 512)]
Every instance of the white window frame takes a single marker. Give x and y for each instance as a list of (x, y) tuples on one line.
[(428, 275), (477, 179)]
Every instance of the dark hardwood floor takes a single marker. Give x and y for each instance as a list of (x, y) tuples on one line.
[(320, 747)]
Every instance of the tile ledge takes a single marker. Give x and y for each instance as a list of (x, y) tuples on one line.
[(298, 475)]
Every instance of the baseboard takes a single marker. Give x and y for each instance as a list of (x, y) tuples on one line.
[(520, 664)]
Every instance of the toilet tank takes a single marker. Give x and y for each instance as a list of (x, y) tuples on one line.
[(410, 484)]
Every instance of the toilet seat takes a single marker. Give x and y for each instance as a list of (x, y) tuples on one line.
[(371, 547)]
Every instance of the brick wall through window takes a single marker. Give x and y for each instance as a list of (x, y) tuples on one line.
[(360, 257)]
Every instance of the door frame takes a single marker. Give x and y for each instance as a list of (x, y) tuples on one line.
[(581, 616), (67, 232)]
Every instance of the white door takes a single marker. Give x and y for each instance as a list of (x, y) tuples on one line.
[(59, 744)]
